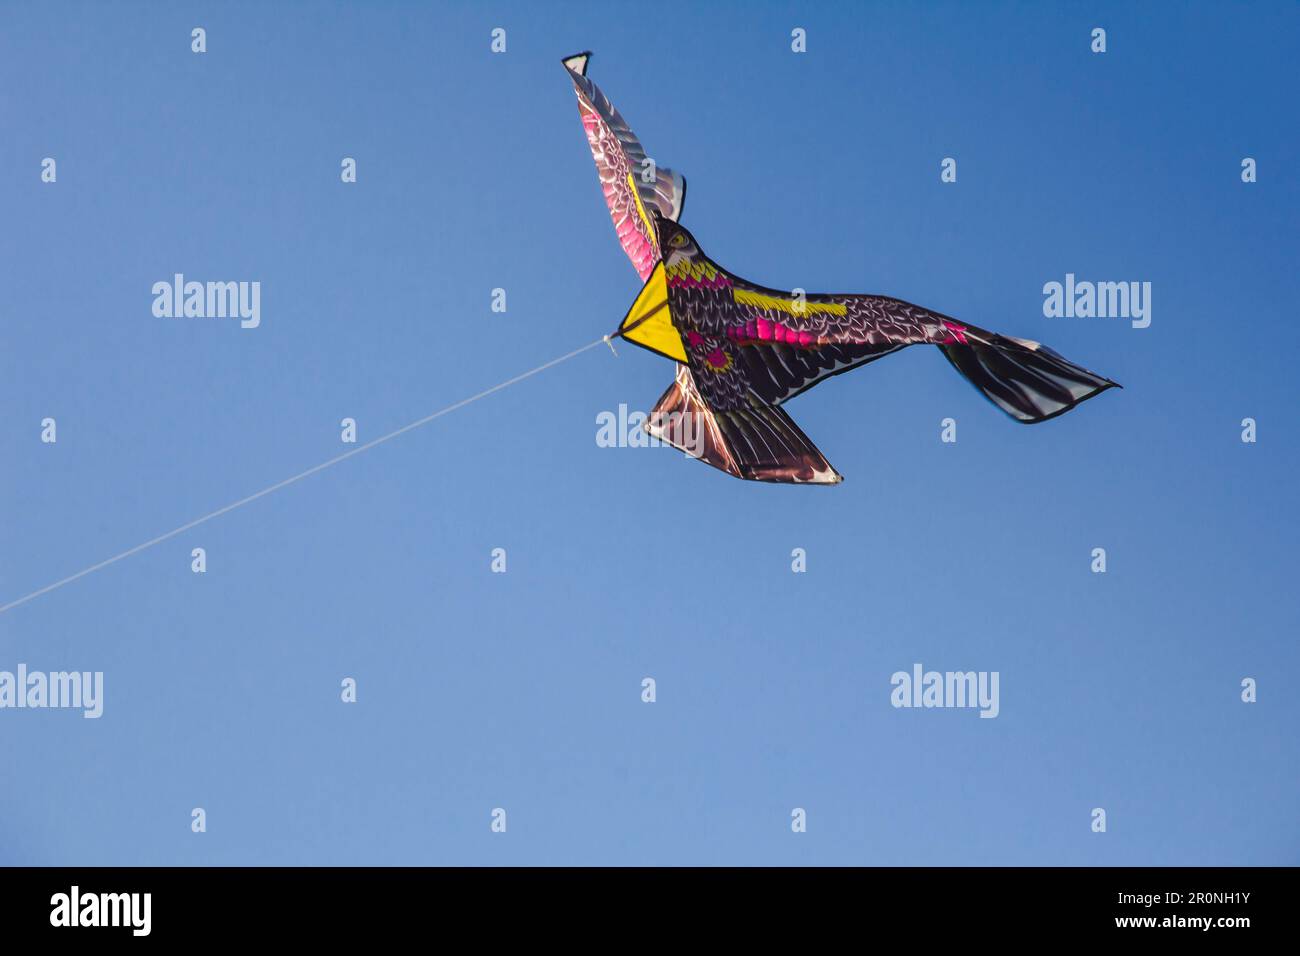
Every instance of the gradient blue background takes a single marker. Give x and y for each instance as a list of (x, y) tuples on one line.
[(522, 690)]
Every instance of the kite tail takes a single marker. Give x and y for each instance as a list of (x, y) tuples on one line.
[(1028, 381)]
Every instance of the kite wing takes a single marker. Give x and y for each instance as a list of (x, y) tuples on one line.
[(756, 441), (634, 189), (724, 405), (778, 372), (803, 342)]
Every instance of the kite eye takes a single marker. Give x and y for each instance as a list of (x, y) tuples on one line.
[(678, 240)]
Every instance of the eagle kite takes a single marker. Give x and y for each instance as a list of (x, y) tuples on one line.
[(743, 350)]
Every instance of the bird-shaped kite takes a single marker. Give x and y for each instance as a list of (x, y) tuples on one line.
[(743, 350)]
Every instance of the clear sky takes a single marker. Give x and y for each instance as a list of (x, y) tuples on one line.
[(523, 690)]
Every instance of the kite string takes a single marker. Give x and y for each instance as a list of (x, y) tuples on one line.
[(301, 475)]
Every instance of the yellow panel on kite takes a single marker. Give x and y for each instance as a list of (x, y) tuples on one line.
[(649, 322)]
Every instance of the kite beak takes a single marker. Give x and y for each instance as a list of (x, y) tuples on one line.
[(649, 322)]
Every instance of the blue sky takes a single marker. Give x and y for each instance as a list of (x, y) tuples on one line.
[(522, 690)]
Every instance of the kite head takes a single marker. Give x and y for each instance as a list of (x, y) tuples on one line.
[(676, 245), (649, 323)]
